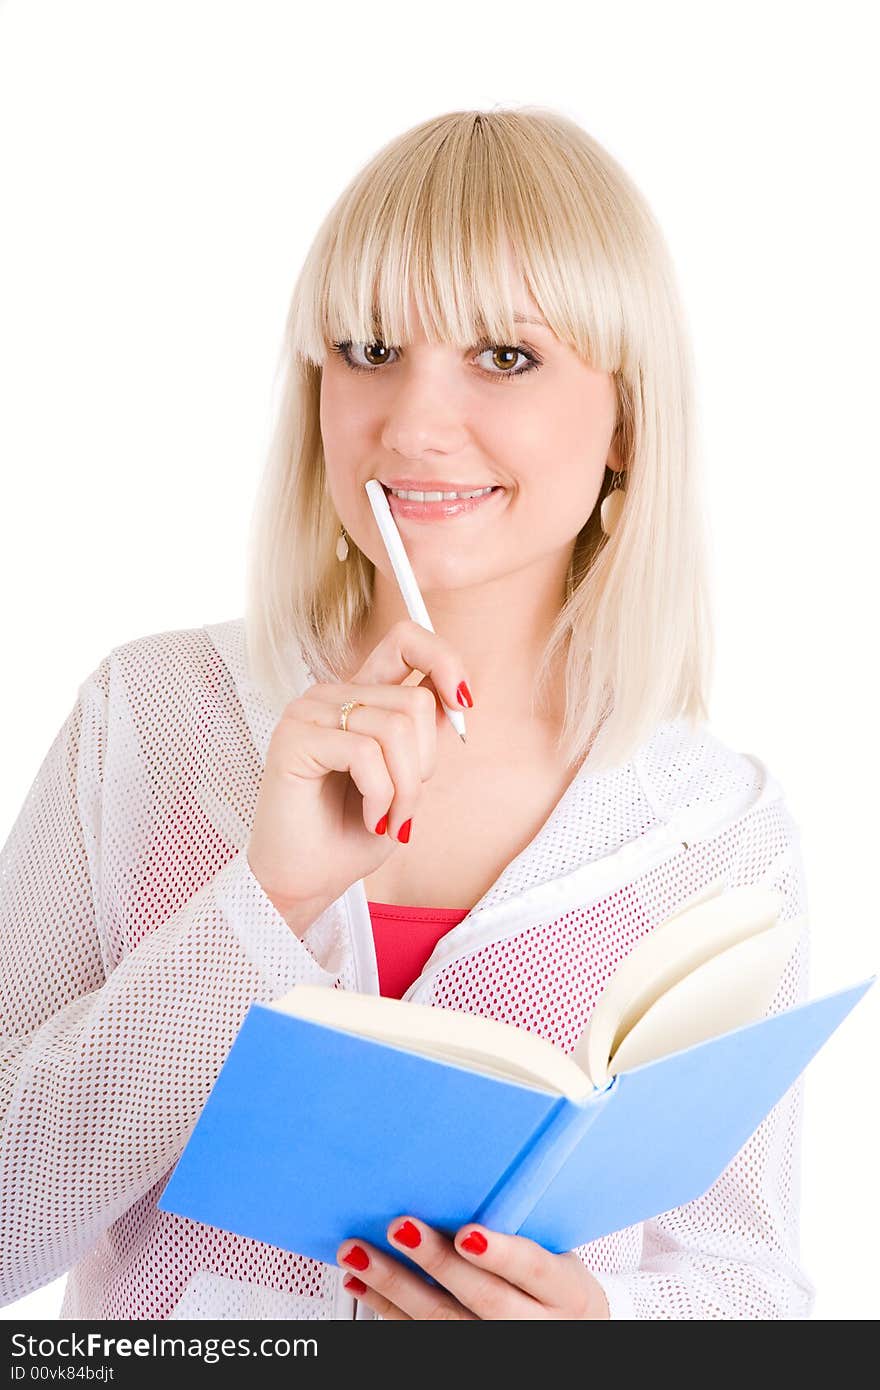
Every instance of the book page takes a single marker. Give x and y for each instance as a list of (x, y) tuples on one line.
[(690, 937), (483, 1044), (732, 989)]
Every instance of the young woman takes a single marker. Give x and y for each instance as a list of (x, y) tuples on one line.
[(488, 308)]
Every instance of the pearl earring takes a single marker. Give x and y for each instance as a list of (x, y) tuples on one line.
[(612, 506), (342, 546)]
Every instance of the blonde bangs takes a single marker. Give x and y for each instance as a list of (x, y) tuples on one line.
[(426, 224)]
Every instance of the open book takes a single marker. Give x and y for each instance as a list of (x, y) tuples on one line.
[(334, 1111), (713, 965)]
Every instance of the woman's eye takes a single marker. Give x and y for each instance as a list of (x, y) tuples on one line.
[(371, 357), (504, 358), (376, 354)]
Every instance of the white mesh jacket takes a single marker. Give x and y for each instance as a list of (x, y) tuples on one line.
[(133, 937)]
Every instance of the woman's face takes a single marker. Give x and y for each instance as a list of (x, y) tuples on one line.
[(536, 423)]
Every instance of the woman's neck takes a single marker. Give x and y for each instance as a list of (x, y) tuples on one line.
[(498, 627)]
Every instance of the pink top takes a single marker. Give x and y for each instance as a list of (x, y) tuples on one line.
[(404, 939)]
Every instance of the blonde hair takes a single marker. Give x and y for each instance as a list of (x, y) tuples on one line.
[(427, 215)]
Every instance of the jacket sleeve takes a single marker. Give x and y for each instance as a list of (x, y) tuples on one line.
[(103, 1071), (734, 1252)]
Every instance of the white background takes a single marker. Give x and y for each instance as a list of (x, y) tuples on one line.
[(164, 167)]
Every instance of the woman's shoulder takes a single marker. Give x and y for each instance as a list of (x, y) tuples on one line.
[(169, 658), (687, 764), (193, 683), (150, 677)]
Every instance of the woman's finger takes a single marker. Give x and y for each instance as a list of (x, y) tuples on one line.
[(498, 1276), (395, 734), (555, 1280), (374, 1300), (322, 705), (408, 647), (484, 1291), (330, 750), (395, 1286)]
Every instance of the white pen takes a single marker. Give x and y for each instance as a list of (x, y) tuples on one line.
[(403, 573)]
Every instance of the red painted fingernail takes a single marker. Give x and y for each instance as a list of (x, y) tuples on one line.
[(464, 695), (354, 1284), (476, 1243), (403, 832), (408, 1234), (382, 825), (357, 1257)]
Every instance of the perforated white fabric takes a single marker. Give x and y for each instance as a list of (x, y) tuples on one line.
[(134, 938)]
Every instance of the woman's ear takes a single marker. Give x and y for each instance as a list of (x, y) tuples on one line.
[(613, 461)]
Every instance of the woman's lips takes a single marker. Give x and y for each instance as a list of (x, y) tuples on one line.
[(403, 509)]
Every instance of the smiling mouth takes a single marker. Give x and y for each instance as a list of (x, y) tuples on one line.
[(431, 508), (436, 494)]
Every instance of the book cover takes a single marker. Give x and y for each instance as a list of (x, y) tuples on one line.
[(312, 1135)]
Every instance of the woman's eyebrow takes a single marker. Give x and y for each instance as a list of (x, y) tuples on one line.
[(527, 318)]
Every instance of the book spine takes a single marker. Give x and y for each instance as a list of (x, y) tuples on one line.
[(526, 1180)]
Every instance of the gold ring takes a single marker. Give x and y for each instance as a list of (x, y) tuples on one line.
[(345, 711)]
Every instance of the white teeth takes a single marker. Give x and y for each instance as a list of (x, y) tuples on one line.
[(436, 496)]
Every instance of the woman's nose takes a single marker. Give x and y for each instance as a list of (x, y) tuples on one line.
[(424, 413)]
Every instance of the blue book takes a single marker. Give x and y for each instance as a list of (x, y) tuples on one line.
[(335, 1112)]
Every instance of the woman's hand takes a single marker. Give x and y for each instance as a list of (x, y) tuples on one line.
[(483, 1274), (333, 803)]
